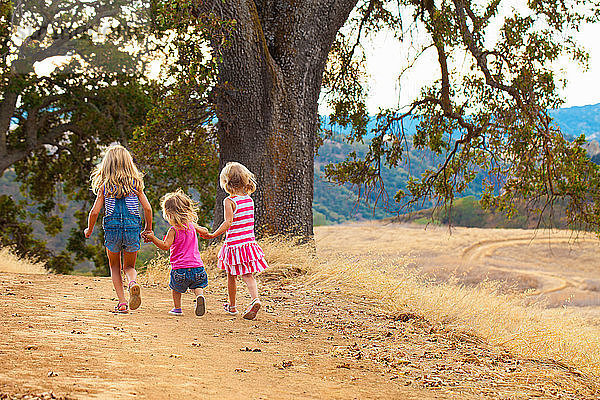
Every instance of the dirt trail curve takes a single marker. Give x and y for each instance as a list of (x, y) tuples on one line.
[(486, 248), (58, 336), (483, 252)]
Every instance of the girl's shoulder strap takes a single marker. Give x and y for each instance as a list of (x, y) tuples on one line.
[(233, 202)]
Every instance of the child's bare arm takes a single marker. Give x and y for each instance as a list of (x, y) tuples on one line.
[(161, 244), (202, 231), (94, 213), (147, 210), (228, 219)]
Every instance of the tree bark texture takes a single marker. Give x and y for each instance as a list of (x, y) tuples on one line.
[(267, 99)]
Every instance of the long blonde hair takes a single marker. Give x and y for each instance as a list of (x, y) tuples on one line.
[(236, 178), (179, 209), (117, 174)]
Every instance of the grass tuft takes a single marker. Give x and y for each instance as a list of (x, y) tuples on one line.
[(286, 258), (10, 262)]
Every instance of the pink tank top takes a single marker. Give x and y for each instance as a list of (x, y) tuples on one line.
[(184, 250)]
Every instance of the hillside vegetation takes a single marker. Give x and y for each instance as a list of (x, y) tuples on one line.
[(334, 204), (468, 212)]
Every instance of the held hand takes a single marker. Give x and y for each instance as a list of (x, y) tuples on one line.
[(147, 235), (203, 232), (87, 232)]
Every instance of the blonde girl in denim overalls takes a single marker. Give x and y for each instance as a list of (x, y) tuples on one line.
[(119, 189)]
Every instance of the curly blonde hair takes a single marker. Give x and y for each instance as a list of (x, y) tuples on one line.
[(179, 209), (236, 178), (117, 174)]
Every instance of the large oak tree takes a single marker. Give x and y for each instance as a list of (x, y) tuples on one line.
[(266, 100), (489, 113), (54, 122)]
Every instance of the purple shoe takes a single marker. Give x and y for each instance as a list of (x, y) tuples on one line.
[(176, 311)]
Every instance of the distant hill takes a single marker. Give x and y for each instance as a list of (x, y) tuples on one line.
[(468, 212), (574, 121), (335, 204)]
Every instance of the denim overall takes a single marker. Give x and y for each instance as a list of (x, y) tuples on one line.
[(122, 229)]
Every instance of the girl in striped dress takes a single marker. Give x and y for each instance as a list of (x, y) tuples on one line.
[(240, 254)]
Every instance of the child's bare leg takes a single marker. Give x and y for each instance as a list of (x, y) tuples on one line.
[(176, 299), (129, 265), (135, 298), (200, 302), (251, 283), (114, 260), (231, 289)]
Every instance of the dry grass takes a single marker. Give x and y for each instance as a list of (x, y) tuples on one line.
[(530, 331), (9, 262)]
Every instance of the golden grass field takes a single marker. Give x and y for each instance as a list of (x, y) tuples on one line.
[(9, 262), (536, 293)]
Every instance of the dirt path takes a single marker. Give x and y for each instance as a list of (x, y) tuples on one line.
[(58, 336), (483, 252)]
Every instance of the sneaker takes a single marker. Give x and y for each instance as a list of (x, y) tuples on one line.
[(200, 306), (176, 311), (252, 309), (231, 310), (135, 295)]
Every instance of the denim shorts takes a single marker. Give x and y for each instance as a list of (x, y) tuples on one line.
[(122, 235), (183, 279)]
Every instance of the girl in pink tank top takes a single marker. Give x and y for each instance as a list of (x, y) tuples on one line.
[(187, 268), (240, 254)]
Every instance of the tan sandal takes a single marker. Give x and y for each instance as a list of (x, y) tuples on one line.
[(252, 309), (135, 295)]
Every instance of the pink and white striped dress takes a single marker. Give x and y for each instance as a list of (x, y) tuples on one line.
[(240, 253)]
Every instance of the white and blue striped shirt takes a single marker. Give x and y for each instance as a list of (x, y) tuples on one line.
[(131, 202)]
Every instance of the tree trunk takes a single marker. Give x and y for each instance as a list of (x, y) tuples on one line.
[(267, 99), (7, 109)]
